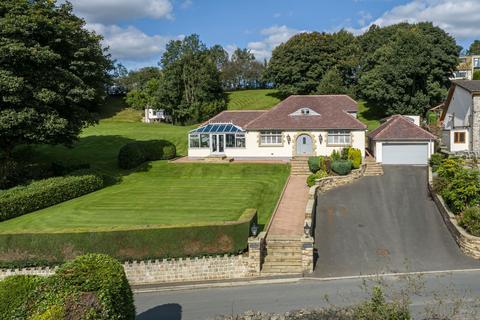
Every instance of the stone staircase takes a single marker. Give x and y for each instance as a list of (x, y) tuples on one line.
[(300, 166), (373, 168), (283, 255)]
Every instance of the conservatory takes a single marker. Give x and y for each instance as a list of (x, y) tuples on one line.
[(217, 137)]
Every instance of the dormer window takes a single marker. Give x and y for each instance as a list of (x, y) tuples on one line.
[(305, 111)]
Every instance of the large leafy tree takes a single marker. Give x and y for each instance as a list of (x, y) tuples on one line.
[(298, 65), (52, 73), (190, 89), (242, 71), (474, 48), (407, 68)]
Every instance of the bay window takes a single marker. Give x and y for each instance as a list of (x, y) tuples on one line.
[(339, 137)]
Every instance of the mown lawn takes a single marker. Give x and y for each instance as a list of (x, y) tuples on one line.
[(257, 99), (369, 116), (165, 194), (159, 193)]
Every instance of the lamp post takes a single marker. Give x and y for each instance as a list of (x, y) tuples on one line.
[(254, 229)]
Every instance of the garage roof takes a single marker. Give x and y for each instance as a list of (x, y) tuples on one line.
[(398, 127)]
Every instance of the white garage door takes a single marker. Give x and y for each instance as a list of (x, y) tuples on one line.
[(404, 153)]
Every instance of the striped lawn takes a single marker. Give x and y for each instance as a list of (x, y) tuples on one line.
[(165, 194)]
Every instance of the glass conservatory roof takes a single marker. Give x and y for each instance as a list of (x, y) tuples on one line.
[(218, 128)]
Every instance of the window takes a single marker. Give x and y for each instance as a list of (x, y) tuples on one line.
[(270, 138), (459, 137), (204, 141), (305, 111), (240, 140), (194, 141), (230, 140), (339, 137)]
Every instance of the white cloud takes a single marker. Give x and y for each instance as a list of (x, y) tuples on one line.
[(459, 18), (131, 43), (112, 11), (273, 36), (186, 4)]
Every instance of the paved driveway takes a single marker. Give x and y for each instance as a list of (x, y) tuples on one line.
[(383, 224)]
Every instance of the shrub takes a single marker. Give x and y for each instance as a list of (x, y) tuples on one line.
[(104, 276), (449, 167), (432, 118), (135, 153), (322, 163), (318, 175), (344, 153), (314, 164), (470, 220), (61, 169), (355, 155), (15, 293), (328, 164), (463, 190), (342, 167), (93, 286), (436, 160), (335, 156), (45, 193), (378, 308)]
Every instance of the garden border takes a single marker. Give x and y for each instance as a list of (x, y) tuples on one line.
[(469, 244)]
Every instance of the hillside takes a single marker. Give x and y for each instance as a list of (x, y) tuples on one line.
[(252, 99)]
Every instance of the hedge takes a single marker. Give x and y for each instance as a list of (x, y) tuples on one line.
[(90, 287), (135, 153), (342, 167), (35, 249), (314, 164), (41, 194)]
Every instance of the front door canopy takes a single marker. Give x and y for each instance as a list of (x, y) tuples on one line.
[(218, 128)]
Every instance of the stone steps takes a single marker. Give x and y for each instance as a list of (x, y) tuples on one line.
[(373, 168), (299, 166), (284, 255)]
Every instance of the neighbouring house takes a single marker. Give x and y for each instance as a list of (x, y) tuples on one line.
[(153, 115), (466, 68), (400, 140), (461, 117), (297, 126)]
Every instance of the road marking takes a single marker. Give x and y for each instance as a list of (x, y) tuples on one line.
[(228, 284)]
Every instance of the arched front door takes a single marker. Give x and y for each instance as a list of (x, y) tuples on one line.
[(304, 145)]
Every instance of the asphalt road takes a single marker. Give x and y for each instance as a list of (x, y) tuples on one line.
[(384, 224), (447, 291)]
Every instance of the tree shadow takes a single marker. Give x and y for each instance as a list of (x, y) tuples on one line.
[(278, 95), (112, 106), (169, 311), (373, 112)]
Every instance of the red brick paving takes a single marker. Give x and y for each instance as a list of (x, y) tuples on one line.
[(290, 215)]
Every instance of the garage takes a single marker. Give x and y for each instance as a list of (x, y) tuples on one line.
[(400, 141), (405, 153)]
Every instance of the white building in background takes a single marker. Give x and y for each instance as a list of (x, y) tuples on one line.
[(153, 115)]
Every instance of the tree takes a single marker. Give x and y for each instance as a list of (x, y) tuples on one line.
[(408, 68), (138, 79), (190, 89), (142, 98), (242, 71), (474, 48), (53, 74), (298, 65), (332, 83)]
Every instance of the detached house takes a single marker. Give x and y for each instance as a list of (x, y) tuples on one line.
[(461, 117), (297, 126)]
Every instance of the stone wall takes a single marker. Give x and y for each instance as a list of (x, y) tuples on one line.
[(469, 244), (476, 123), (175, 270), (328, 183)]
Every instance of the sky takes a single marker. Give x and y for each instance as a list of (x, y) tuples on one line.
[(136, 31)]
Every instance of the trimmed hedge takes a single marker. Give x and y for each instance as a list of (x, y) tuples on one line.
[(90, 287), (135, 153), (314, 164), (231, 237), (41, 194), (342, 167)]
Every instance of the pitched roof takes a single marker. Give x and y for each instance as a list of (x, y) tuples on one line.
[(398, 127), (237, 117), (332, 109), (471, 86)]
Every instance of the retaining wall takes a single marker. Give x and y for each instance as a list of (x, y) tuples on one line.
[(469, 244)]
